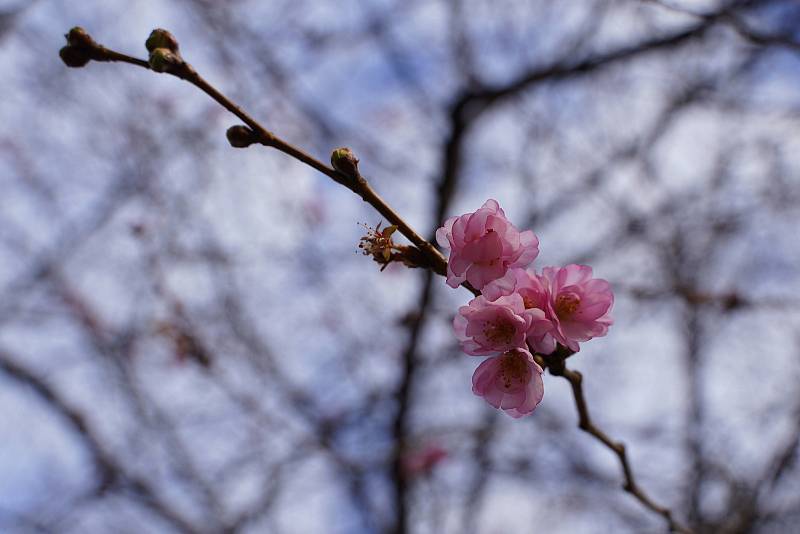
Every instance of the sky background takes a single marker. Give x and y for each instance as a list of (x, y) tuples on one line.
[(190, 340)]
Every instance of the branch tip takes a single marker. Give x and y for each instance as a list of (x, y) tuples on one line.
[(80, 49)]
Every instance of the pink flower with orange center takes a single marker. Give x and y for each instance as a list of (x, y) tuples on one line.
[(578, 305), (534, 297), (511, 381), (487, 327)]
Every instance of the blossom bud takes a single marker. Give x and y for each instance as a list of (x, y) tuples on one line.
[(163, 60), (80, 48), (73, 57), (240, 136), (160, 38), (344, 161), (79, 38)]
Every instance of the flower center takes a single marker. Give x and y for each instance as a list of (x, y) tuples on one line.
[(514, 370), (566, 305), (529, 299), (499, 332)]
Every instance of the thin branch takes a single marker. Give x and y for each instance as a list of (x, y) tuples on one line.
[(482, 98), (744, 30), (555, 363), (104, 464), (759, 37), (354, 181)]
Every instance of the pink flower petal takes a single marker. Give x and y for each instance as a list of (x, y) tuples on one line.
[(484, 244)]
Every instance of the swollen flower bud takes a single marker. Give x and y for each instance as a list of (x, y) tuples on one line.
[(79, 37), (240, 136), (163, 60), (80, 48), (160, 38), (73, 57), (344, 161)]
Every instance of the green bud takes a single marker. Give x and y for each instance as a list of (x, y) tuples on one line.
[(160, 38), (344, 161), (163, 60)]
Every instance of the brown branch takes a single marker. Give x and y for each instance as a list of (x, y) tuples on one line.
[(403, 396), (745, 31), (476, 101), (555, 362), (79, 42), (102, 460)]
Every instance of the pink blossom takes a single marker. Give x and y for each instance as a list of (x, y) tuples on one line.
[(484, 245), (421, 461), (534, 297), (487, 327), (511, 381), (579, 305)]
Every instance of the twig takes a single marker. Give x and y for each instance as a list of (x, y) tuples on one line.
[(747, 32), (82, 47), (555, 362)]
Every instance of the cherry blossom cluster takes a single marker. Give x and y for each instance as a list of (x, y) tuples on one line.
[(519, 312)]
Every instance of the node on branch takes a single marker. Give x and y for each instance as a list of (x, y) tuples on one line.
[(344, 161)]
